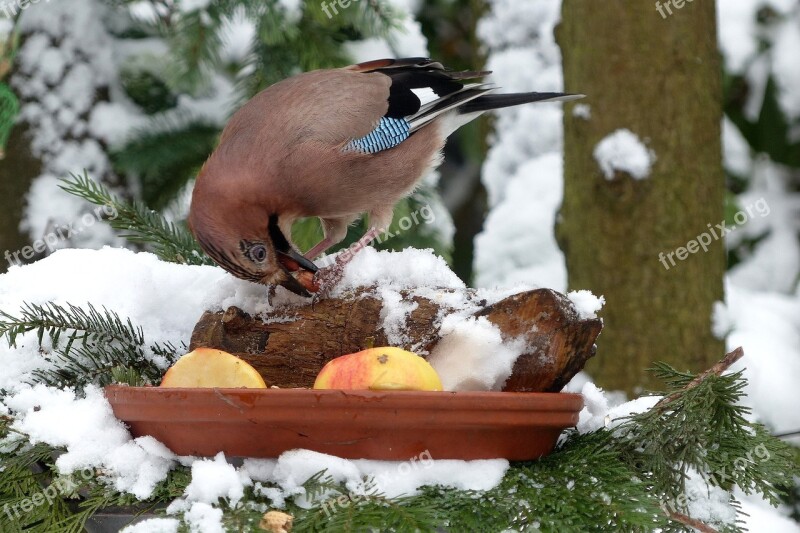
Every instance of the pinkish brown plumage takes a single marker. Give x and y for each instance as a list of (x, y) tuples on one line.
[(331, 144)]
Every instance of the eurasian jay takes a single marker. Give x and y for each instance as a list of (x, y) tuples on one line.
[(332, 144)]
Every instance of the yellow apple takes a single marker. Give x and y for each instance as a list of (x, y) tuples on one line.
[(206, 367), (379, 369)]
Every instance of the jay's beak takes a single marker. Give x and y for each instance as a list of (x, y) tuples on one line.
[(300, 279), (293, 261)]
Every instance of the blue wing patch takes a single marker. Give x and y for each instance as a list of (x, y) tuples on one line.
[(389, 133)]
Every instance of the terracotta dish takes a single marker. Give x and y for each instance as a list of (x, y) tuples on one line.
[(392, 425)]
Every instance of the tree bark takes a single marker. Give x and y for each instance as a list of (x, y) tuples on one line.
[(289, 346), (17, 171), (659, 77)]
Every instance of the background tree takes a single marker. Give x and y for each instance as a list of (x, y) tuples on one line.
[(660, 79)]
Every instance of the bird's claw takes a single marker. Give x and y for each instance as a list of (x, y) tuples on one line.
[(327, 278)]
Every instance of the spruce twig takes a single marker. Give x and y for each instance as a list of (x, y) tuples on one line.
[(691, 522), (99, 345), (716, 370), (169, 241)]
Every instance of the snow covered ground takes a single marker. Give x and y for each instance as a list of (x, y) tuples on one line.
[(166, 300)]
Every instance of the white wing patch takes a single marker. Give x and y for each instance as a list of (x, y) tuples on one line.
[(425, 95)]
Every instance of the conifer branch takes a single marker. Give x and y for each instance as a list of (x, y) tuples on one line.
[(691, 522), (169, 241), (99, 345), (716, 370)]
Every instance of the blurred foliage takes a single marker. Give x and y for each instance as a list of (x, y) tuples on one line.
[(147, 90), (409, 228), (769, 133), (450, 26), (9, 103), (165, 155)]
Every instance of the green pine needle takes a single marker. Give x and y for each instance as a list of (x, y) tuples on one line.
[(170, 241), (97, 345)]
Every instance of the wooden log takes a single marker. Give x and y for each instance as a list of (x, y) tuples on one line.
[(290, 345)]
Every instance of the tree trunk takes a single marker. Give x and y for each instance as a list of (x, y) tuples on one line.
[(290, 347), (17, 171), (660, 78)]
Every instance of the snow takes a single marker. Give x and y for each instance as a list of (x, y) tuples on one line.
[(166, 299), (622, 151), (213, 479), (583, 111), (741, 37), (237, 38), (67, 59), (523, 177), (203, 518), (758, 515), (193, 5), (472, 355), (403, 40), (785, 66), (523, 169), (767, 326), (409, 269), (586, 303), (518, 244), (394, 313), (92, 436), (708, 503), (293, 10), (600, 412), (114, 278), (393, 478), (735, 150), (154, 525)]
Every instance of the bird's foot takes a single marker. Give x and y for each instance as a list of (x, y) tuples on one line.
[(327, 278)]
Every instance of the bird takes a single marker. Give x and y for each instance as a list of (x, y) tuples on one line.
[(332, 144)]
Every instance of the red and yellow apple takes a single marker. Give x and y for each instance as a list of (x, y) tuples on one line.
[(206, 367), (379, 369)]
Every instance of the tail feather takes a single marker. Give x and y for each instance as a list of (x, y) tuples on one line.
[(454, 101), (498, 101)]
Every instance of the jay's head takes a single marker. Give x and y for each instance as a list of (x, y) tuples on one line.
[(257, 252)]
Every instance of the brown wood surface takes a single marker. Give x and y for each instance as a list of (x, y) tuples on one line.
[(289, 346)]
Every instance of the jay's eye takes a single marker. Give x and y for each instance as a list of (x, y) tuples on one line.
[(258, 253)]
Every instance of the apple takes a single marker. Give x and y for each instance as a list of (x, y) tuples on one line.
[(206, 367), (384, 368)]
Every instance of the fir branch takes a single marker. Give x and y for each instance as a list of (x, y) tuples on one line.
[(98, 344), (196, 42), (166, 154), (169, 241), (90, 327), (691, 522), (668, 374)]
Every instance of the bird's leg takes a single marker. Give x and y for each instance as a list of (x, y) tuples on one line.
[(329, 277), (319, 248), (334, 231)]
